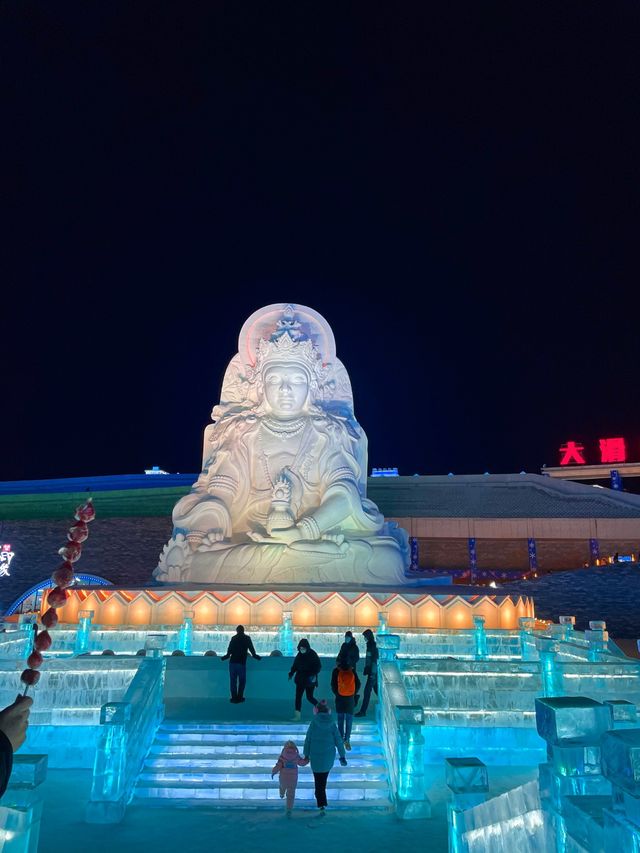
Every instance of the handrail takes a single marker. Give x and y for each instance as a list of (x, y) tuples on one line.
[(128, 730)]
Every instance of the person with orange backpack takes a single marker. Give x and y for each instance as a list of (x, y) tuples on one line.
[(345, 685)]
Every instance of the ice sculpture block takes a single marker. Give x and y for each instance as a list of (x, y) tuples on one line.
[(466, 775), (566, 720), (578, 760), (624, 714), (28, 771), (621, 759), (388, 645)]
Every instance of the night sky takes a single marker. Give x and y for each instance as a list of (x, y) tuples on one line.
[(455, 187)]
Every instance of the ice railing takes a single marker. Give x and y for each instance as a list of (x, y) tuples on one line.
[(69, 692), (401, 727), (427, 642), (16, 641), (127, 732)]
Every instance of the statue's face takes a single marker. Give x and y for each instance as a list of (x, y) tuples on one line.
[(286, 388)]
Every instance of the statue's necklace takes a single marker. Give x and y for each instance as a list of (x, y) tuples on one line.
[(283, 429)]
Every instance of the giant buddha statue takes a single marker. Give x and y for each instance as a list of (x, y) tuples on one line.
[(282, 493)]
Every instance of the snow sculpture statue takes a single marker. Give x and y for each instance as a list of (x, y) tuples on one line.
[(282, 493)]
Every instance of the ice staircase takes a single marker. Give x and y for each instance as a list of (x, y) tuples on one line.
[(228, 765)]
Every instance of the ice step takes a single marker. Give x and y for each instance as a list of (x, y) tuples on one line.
[(237, 738), (167, 778), (308, 805), (266, 762), (253, 749), (229, 766), (254, 789)]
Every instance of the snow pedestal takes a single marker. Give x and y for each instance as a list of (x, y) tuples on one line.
[(83, 632), (411, 797), (185, 635), (468, 781), (128, 729), (621, 766), (573, 789), (21, 808)]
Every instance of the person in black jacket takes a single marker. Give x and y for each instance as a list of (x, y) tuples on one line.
[(13, 731), (370, 670), (239, 648), (349, 652), (304, 671)]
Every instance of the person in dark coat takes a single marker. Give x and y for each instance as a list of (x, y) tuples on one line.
[(14, 720), (304, 671), (239, 648), (349, 652), (345, 685), (370, 670)]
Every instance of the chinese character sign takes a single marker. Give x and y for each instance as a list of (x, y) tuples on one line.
[(6, 556), (571, 453), (612, 450)]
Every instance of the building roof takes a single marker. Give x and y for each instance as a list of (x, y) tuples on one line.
[(498, 496), (459, 496)]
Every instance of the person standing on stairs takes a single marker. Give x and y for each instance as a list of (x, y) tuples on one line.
[(345, 685), (304, 671), (239, 648), (287, 769), (349, 652), (320, 744), (370, 670)]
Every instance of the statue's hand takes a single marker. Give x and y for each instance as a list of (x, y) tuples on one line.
[(285, 536)]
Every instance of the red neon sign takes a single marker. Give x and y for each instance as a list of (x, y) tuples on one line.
[(613, 450), (572, 454)]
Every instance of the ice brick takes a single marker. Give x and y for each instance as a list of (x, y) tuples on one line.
[(563, 720), (620, 836), (466, 775), (621, 759), (624, 713), (28, 771), (576, 760)]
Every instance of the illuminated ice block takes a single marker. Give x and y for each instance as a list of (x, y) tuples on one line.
[(566, 720), (28, 771), (583, 819), (388, 646), (466, 775), (625, 714), (621, 759), (620, 835), (576, 760)]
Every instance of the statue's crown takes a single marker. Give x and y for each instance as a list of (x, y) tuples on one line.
[(283, 346)]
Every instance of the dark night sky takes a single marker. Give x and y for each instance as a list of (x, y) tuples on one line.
[(454, 187)]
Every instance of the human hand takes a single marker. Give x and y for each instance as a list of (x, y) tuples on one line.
[(290, 676), (14, 720), (257, 657)]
